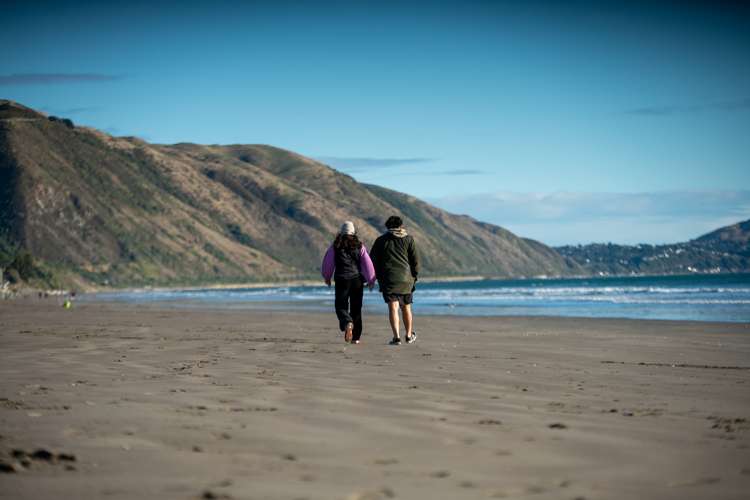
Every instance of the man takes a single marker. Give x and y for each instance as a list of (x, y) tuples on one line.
[(394, 255)]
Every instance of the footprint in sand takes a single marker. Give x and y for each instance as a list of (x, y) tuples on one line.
[(373, 495), (695, 482), (385, 461)]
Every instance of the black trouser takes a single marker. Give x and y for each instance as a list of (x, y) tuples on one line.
[(349, 304)]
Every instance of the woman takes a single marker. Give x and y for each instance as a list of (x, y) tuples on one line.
[(349, 264)]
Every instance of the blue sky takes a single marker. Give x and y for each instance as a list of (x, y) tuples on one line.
[(568, 122)]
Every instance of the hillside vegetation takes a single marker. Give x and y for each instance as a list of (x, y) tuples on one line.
[(88, 209), (725, 250)]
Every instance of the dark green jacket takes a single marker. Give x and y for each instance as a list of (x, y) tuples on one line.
[(396, 263)]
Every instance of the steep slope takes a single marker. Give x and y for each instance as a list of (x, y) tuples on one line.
[(734, 236), (119, 211), (725, 250)]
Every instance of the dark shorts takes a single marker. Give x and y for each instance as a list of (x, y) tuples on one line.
[(401, 298)]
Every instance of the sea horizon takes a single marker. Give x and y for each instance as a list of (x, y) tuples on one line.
[(705, 297)]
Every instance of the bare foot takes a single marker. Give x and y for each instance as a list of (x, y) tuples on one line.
[(348, 332)]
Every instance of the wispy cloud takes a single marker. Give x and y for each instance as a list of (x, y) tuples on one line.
[(736, 105), (70, 111), (349, 163), (565, 217), (460, 171), (534, 207), (55, 78)]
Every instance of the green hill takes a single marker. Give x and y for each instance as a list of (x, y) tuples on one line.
[(92, 209)]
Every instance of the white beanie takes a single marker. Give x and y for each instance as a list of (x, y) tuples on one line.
[(347, 227)]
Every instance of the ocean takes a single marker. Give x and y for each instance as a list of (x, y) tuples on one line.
[(695, 297)]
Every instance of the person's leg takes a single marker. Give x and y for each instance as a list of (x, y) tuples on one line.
[(355, 307), (393, 318), (408, 319), (342, 303)]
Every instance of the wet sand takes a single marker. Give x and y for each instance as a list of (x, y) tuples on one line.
[(156, 402)]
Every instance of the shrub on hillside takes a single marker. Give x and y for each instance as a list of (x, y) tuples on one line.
[(65, 121)]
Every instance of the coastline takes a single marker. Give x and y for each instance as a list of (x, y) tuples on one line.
[(273, 404), (26, 291)]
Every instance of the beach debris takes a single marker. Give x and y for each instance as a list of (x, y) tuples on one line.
[(557, 425), (729, 424), (289, 456), (10, 467), (440, 474), (42, 454), (210, 495), (678, 365), (385, 461), (23, 459), (197, 449), (489, 421), (695, 482)]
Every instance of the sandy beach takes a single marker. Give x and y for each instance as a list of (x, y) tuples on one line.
[(120, 401)]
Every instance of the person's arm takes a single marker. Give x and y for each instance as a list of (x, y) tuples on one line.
[(366, 267), (375, 255), (413, 259), (328, 266)]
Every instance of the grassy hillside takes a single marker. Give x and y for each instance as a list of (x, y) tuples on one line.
[(93, 209)]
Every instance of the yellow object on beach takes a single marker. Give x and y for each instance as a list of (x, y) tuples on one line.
[(67, 304)]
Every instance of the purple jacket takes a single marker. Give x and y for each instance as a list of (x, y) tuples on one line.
[(365, 265)]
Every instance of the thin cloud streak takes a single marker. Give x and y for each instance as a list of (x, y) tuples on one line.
[(56, 78), (467, 171), (570, 218), (567, 206), (348, 163), (737, 105), (72, 111)]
